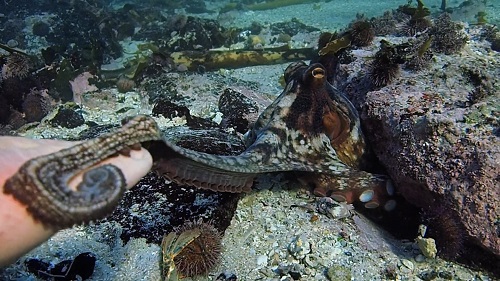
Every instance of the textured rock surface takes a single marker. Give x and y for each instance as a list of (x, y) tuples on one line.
[(436, 133)]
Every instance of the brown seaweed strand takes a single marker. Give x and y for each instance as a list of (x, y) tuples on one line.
[(41, 184)]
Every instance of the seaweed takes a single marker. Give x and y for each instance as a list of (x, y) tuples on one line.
[(481, 18), (335, 45), (418, 12), (12, 50), (422, 54), (419, 21), (216, 59), (272, 4)]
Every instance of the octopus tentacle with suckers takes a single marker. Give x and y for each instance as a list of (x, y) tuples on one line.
[(311, 131)]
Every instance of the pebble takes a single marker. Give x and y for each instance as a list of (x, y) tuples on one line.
[(419, 258), (262, 260), (427, 246), (463, 275), (338, 273), (12, 43), (299, 247), (311, 261), (445, 275), (408, 264)]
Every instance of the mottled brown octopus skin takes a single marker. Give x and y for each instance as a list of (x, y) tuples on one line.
[(311, 130), (42, 183)]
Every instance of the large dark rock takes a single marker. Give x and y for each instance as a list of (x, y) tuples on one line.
[(437, 133)]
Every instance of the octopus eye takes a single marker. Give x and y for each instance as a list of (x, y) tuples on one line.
[(318, 73)]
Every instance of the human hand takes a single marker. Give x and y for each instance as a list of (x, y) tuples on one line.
[(47, 185)]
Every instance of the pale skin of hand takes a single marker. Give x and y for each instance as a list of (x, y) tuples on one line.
[(19, 233)]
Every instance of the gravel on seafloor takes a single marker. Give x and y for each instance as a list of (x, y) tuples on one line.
[(269, 239)]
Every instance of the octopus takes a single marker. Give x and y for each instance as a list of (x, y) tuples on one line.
[(311, 131)]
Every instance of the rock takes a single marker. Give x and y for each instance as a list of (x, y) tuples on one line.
[(338, 273), (36, 105), (427, 246), (293, 270), (68, 116), (82, 266), (41, 28), (436, 133), (236, 108), (169, 109), (299, 247)]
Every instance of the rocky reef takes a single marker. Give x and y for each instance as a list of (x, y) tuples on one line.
[(436, 133)]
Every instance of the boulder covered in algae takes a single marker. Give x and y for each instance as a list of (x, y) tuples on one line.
[(436, 132)]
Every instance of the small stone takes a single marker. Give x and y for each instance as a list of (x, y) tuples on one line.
[(68, 116), (182, 68), (408, 264), (12, 43), (294, 270), (227, 276), (463, 275), (428, 275), (338, 273), (446, 275), (427, 246), (262, 260), (311, 261), (218, 117), (41, 28), (275, 260), (299, 247), (236, 108), (419, 258)]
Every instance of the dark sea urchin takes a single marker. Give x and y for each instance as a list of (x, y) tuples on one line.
[(385, 67), (201, 255), (383, 72), (362, 33), (17, 65)]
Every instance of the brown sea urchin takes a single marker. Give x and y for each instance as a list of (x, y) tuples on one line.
[(201, 255)]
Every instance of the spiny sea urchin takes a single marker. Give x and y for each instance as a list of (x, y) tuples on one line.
[(385, 67), (16, 65), (383, 72), (201, 255), (414, 26), (362, 33), (449, 36)]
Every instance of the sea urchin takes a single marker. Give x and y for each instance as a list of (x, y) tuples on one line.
[(362, 33), (201, 255), (385, 67)]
